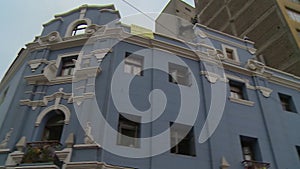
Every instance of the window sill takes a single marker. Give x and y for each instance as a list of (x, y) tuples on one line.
[(232, 61), (241, 101)]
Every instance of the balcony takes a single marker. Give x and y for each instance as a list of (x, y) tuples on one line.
[(42, 152), (248, 164)]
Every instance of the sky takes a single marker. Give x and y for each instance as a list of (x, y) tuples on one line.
[(22, 20)]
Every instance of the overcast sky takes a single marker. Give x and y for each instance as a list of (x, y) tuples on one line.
[(23, 20)]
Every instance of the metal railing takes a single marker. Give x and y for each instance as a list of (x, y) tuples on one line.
[(42, 152)]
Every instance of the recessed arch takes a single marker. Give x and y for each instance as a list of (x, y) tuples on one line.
[(60, 107), (77, 23)]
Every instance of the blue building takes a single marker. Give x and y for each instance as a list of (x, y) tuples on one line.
[(92, 92)]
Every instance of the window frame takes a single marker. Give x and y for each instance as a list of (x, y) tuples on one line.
[(68, 65), (178, 144), (179, 74), (253, 143), (243, 87), (132, 62), (234, 58), (77, 30), (287, 103), (124, 123)]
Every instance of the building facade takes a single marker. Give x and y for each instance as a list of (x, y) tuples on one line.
[(272, 24), (220, 108)]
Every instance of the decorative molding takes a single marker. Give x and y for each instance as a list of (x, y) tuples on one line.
[(33, 166), (75, 23), (4, 142), (52, 37), (255, 65), (88, 138), (241, 101), (101, 53), (21, 144), (92, 165), (264, 90), (180, 51), (91, 29), (212, 77), (46, 99), (34, 64), (60, 107), (224, 163), (79, 99), (86, 146), (238, 79)]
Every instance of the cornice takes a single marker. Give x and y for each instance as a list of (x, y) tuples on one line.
[(91, 165), (110, 6), (252, 68)]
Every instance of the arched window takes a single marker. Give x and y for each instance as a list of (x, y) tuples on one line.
[(79, 29), (54, 127)]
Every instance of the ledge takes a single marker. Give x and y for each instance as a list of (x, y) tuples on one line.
[(84, 146), (241, 101)]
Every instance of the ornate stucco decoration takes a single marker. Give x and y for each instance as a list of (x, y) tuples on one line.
[(34, 64), (100, 54), (212, 77), (88, 138), (40, 103), (52, 37), (255, 65), (48, 75), (4, 142), (92, 29), (16, 157), (264, 91)]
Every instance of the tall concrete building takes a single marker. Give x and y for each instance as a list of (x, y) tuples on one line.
[(274, 26), (93, 93)]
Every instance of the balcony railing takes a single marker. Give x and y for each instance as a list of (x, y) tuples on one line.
[(42, 152), (249, 164)]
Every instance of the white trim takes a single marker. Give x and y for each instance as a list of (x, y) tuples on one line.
[(60, 107), (241, 101), (235, 54), (75, 23)]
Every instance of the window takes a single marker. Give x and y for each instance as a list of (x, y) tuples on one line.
[(68, 65), (293, 15), (133, 64), (250, 148), (79, 29), (182, 139), (129, 132), (54, 127), (287, 103), (4, 95), (179, 74), (230, 53), (236, 90)]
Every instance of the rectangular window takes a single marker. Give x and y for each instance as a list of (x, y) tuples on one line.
[(133, 64), (287, 103), (129, 131), (294, 15), (236, 90), (68, 65), (179, 75), (230, 53), (182, 139), (250, 148)]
